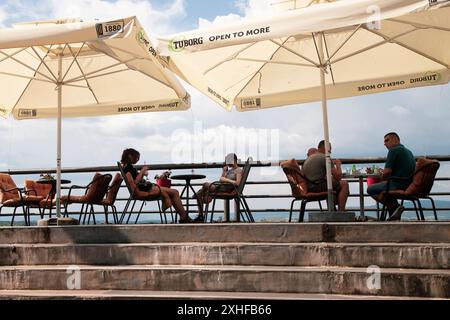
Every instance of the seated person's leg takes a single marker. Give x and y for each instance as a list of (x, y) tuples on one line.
[(375, 189), (175, 199), (342, 194)]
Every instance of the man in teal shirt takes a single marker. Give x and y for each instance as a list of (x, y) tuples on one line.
[(400, 163)]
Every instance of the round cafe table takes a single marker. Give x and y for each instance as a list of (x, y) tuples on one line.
[(188, 178), (360, 176)]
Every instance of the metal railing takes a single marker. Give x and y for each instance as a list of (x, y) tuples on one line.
[(254, 197)]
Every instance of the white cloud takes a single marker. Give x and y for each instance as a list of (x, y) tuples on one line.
[(154, 21), (399, 110), (2, 17), (250, 9), (219, 20)]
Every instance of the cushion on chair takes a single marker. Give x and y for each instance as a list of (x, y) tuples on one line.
[(98, 188), (47, 203), (423, 178), (28, 200), (73, 199), (40, 188), (6, 183)]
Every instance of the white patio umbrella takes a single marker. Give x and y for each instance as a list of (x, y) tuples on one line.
[(64, 68), (328, 50)]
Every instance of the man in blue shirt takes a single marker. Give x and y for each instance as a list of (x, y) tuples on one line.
[(401, 163)]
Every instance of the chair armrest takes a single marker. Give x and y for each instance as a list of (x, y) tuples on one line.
[(31, 190), (75, 187), (18, 189), (21, 191)]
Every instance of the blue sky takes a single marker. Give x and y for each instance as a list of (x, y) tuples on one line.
[(357, 125)]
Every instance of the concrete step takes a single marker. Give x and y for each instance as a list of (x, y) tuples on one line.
[(268, 279), (176, 295), (417, 232), (385, 255)]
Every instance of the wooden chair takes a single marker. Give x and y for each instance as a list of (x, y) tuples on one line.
[(236, 194), (422, 181), (137, 195), (111, 197), (13, 197), (94, 193), (299, 188)]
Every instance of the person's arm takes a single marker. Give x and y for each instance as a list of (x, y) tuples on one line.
[(141, 174), (238, 178), (336, 170), (390, 161), (235, 182), (386, 173), (224, 171)]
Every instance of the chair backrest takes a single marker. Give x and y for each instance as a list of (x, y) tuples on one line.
[(114, 188), (40, 189), (98, 188), (245, 173), (423, 177), (7, 183), (131, 186), (295, 177)]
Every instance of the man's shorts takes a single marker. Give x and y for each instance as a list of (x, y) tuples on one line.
[(322, 186)]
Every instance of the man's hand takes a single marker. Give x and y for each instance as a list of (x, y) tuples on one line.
[(338, 162), (144, 170)]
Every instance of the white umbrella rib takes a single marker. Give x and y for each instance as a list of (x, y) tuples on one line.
[(31, 79), (343, 43), (416, 51), (294, 52), (277, 62), (74, 58), (259, 70), (43, 62), (229, 58), (78, 78), (25, 65), (378, 44), (84, 76)]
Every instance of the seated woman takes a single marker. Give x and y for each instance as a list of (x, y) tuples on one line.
[(231, 174), (169, 196)]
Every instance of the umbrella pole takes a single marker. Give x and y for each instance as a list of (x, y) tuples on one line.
[(58, 146), (330, 200)]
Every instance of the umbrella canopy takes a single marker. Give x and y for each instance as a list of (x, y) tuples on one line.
[(327, 50), (64, 68), (275, 61), (106, 68)]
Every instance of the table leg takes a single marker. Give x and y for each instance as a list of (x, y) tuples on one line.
[(361, 196), (193, 193)]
